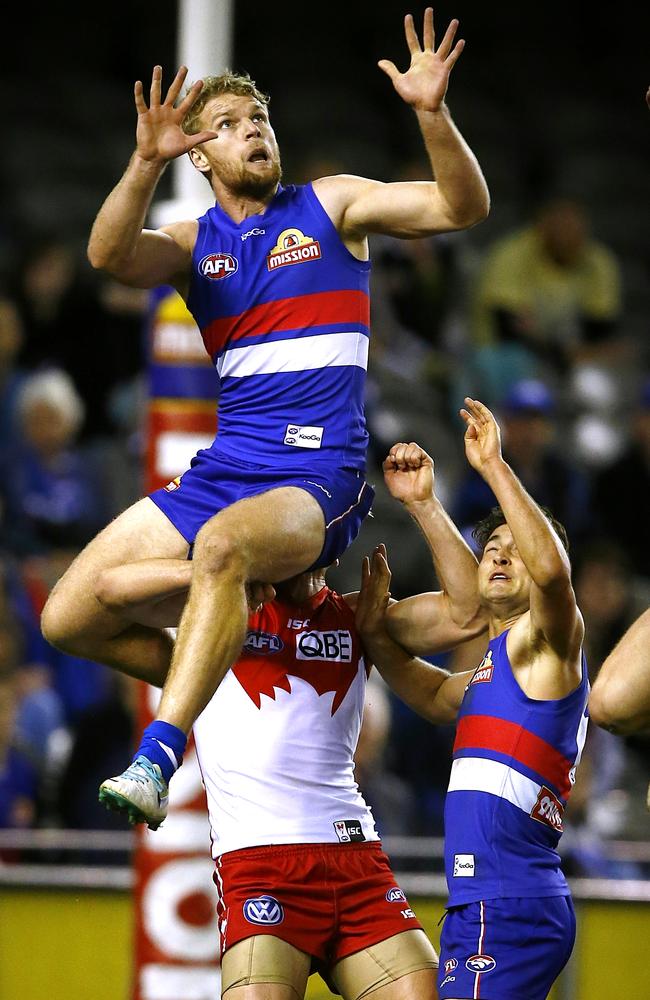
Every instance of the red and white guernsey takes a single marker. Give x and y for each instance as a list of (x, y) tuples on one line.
[(276, 742), (513, 770)]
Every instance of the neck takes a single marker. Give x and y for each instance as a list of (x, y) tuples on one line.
[(501, 621), (300, 588), (241, 205)]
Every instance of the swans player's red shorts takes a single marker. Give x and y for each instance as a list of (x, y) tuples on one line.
[(328, 900)]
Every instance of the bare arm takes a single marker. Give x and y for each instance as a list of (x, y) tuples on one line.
[(554, 616), (458, 197), (429, 690), (432, 622), (118, 243), (620, 697)]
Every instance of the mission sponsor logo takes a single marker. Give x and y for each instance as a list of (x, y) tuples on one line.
[(216, 266), (484, 671), (292, 247), (263, 643), (548, 809)]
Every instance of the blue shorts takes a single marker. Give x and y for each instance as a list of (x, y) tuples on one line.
[(505, 949), (216, 480)]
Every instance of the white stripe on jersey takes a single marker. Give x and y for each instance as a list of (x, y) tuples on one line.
[(327, 350), (476, 774)]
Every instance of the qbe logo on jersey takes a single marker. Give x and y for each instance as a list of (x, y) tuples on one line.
[(263, 910), (330, 647), (292, 247), (216, 266)]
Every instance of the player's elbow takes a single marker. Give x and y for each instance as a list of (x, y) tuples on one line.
[(473, 210), (611, 708)]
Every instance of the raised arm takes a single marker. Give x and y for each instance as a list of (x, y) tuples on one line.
[(620, 697), (118, 242), (429, 690), (458, 198), (432, 622), (554, 617)]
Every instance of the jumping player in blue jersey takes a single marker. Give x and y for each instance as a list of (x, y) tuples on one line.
[(521, 720), (277, 279)]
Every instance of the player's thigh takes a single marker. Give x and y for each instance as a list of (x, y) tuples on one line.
[(402, 966), (276, 534), (264, 967), (140, 532)]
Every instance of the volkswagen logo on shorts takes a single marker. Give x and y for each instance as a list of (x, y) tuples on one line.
[(263, 910), (480, 963)]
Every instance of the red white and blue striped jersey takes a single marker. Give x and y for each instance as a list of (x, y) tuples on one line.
[(283, 309), (513, 768)]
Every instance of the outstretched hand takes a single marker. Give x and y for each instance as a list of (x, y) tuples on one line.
[(374, 596), (424, 84), (159, 134), (408, 473), (482, 437)]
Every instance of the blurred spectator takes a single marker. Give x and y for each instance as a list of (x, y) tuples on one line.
[(18, 777), (390, 798), (529, 426), (610, 597), (626, 481), (52, 498), (11, 377), (548, 296), (89, 326)]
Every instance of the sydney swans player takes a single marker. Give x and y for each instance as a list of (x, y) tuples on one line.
[(302, 881)]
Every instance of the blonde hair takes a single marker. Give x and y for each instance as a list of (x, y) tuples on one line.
[(228, 82)]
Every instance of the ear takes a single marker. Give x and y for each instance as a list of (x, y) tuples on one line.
[(198, 160)]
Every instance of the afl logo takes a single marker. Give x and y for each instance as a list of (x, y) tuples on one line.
[(263, 642), (395, 895), (218, 265), (480, 963), (263, 910)]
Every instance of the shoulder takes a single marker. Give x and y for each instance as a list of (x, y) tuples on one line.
[(336, 193), (183, 233)]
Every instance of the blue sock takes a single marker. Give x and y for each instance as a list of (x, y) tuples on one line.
[(164, 745)]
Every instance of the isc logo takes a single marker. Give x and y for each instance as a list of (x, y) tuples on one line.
[(218, 265), (331, 646)]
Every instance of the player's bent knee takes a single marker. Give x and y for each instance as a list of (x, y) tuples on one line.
[(384, 963), (219, 550), (264, 958)]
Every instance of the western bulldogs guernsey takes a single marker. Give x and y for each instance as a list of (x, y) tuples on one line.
[(275, 743), (513, 768), (283, 309)]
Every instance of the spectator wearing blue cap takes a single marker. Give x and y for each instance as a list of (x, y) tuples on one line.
[(528, 420), (625, 483)]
